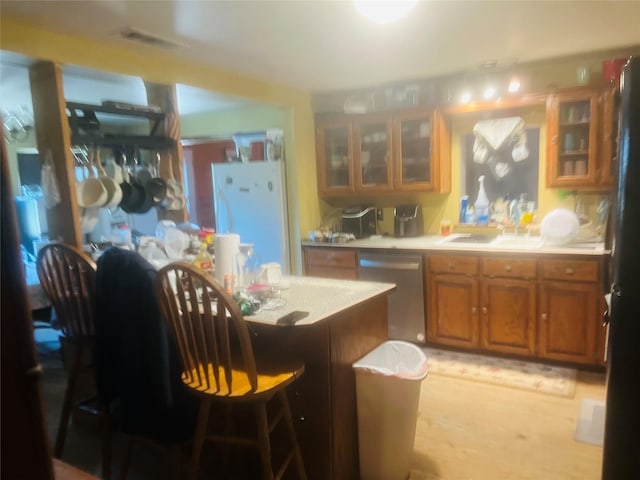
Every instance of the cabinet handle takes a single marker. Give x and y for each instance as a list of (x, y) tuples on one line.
[(568, 271), (484, 310), (554, 139), (473, 310), (452, 265), (543, 317), (508, 268)]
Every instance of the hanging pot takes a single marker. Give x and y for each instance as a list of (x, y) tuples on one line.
[(133, 194)]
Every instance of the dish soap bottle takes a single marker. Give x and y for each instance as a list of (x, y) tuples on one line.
[(204, 260), (481, 207)]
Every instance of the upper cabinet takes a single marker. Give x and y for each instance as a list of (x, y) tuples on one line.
[(609, 101), (421, 152), (334, 154), (387, 152), (576, 157), (372, 156)]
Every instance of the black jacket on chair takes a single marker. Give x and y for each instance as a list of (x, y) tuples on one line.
[(137, 364)]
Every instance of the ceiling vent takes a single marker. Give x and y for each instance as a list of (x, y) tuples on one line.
[(148, 39)]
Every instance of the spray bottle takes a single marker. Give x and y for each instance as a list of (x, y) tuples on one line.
[(481, 207)]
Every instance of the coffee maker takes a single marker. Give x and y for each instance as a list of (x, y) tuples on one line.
[(408, 221)]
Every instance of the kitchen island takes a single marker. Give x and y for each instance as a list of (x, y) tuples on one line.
[(346, 320)]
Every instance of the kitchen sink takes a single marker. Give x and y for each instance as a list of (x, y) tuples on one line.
[(469, 239), (515, 242)]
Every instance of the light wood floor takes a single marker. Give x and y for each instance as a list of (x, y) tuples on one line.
[(470, 430)]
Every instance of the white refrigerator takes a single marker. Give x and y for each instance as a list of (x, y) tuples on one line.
[(250, 200)]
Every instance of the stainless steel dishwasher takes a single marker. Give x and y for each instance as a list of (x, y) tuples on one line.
[(406, 304)]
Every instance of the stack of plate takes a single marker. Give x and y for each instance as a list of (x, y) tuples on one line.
[(559, 226)]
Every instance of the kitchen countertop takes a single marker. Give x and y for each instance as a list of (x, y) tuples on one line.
[(501, 244), (321, 297)]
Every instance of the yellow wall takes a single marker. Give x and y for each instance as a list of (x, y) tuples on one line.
[(306, 211), (35, 41), (225, 123)]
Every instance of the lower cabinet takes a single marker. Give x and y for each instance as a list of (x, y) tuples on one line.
[(330, 262), (508, 316), (471, 306), (571, 307), (452, 300), (452, 310), (524, 306)]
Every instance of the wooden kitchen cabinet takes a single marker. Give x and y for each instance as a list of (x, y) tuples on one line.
[(336, 262), (452, 300), (508, 316), (508, 305), (483, 311), (569, 321), (572, 138), (334, 157), (453, 311), (547, 308), (420, 152), (383, 152), (608, 153), (372, 155), (569, 306)]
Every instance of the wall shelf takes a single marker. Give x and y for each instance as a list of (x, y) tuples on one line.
[(85, 126)]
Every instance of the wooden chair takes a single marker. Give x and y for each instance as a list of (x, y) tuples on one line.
[(67, 275), (219, 364)]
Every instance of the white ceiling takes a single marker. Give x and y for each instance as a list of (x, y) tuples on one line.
[(323, 45)]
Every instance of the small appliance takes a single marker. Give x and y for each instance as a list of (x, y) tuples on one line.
[(408, 221), (359, 221)]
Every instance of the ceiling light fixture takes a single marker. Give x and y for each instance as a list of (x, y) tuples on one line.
[(384, 11), (514, 85), (465, 97), (489, 92)]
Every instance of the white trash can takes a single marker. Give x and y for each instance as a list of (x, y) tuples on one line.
[(388, 381)]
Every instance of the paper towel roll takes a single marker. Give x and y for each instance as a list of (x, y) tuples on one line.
[(227, 246)]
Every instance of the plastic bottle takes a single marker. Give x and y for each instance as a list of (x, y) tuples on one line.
[(204, 260), (481, 206), (464, 204)]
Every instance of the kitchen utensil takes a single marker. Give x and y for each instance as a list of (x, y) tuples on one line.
[(175, 191), (91, 192), (133, 194), (156, 186), (559, 226), (114, 192)]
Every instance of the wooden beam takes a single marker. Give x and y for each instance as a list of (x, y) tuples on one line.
[(53, 135), (165, 97)]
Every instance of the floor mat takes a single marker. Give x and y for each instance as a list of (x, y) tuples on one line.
[(500, 371), (590, 428)]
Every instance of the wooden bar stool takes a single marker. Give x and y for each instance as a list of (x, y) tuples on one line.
[(219, 365), (67, 276)]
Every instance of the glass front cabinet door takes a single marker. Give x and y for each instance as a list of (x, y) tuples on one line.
[(372, 155), (418, 151), (572, 123), (334, 150)]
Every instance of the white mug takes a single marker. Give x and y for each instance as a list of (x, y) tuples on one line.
[(271, 273)]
